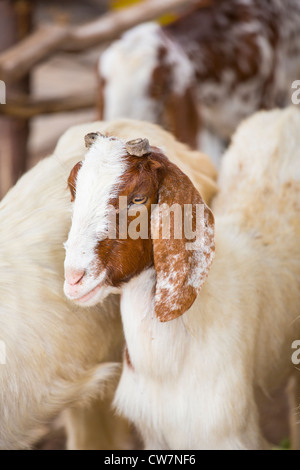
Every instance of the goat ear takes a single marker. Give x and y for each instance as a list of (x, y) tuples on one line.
[(181, 264), (72, 180)]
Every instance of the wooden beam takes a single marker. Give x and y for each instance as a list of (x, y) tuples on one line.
[(111, 25), (26, 107), (18, 60)]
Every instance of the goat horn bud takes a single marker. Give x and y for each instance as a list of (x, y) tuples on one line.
[(138, 147), (90, 138)]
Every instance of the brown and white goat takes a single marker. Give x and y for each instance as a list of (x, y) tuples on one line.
[(214, 66), (203, 337), (59, 356)]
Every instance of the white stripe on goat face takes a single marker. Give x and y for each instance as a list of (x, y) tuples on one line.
[(101, 170)]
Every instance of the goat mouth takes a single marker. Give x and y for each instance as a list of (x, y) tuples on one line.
[(86, 297)]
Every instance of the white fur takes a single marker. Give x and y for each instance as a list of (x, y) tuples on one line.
[(178, 393), (128, 75), (128, 97)]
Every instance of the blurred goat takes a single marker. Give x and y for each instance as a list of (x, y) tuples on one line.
[(214, 66)]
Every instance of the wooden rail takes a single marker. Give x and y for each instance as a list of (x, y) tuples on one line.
[(19, 59)]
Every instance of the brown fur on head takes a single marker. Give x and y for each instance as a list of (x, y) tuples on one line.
[(151, 179)]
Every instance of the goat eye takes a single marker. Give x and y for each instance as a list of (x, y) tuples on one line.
[(139, 200)]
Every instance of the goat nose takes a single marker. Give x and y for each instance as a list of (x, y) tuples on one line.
[(74, 276)]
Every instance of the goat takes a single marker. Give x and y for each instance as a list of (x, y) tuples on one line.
[(208, 325), (217, 64), (59, 355)]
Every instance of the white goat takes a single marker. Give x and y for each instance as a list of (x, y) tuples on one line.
[(58, 355), (191, 383)]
